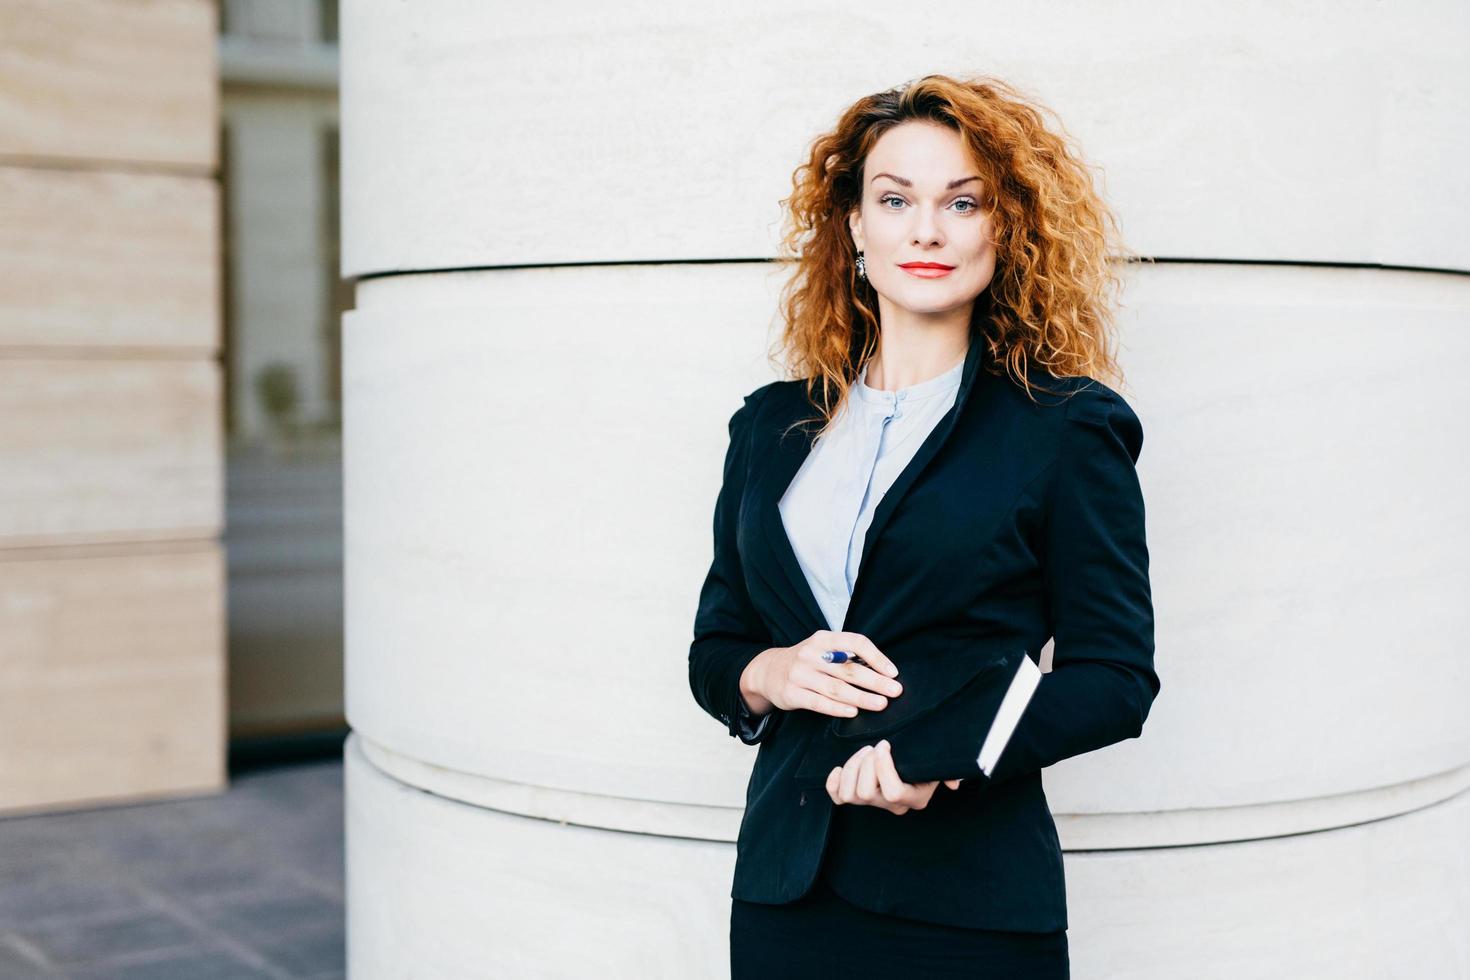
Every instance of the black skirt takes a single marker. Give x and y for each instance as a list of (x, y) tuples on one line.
[(821, 934)]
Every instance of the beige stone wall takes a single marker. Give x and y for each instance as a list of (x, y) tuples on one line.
[(112, 601)]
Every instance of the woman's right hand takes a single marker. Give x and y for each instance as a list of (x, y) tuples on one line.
[(797, 677)]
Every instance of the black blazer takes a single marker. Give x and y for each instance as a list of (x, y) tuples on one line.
[(1014, 522)]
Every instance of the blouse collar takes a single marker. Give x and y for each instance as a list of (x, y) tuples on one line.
[(940, 384)]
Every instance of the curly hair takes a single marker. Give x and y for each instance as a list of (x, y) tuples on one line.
[(1051, 301)]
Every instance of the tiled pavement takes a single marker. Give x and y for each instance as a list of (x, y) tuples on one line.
[(246, 884)]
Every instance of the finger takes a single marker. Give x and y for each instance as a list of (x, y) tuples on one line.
[(879, 797), (867, 780), (953, 783), (833, 686), (833, 778), (864, 677), (845, 791), (856, 696), (923, 793), (848, 683), (895, 790), (805, 697), (864, 647)]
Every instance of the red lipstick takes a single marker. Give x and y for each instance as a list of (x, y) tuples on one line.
[(926, 270)]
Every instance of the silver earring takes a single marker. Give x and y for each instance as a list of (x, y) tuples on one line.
[(862, 267)]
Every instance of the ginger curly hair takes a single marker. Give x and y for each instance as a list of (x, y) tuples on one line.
[(1051, 302)]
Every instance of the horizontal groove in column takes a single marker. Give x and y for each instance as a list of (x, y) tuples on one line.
[(716, 823), (1162, 260), (1078, 832)]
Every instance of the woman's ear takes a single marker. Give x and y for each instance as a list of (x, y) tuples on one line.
[(855, 226)]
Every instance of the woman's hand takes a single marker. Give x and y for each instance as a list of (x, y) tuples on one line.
[(798, 677), (869, 778)]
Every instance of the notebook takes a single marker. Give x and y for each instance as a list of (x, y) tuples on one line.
[(1018, 695), (954, 699)]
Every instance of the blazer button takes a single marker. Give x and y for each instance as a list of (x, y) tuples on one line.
[(803, 799)]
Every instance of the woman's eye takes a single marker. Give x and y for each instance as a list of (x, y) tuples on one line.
[(969, 204)]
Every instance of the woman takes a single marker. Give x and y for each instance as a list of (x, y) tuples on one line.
[(970, 495)]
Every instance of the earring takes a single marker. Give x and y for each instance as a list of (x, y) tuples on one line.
[(862, 267)]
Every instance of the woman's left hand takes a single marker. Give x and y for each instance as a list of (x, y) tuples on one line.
[(869, 778)]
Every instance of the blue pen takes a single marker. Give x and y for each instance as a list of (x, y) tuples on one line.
[(842, 657)]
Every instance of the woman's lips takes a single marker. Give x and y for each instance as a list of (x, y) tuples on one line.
[(923, 270)]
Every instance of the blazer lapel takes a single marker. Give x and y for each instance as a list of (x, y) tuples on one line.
[(791, 451), (926, 451)]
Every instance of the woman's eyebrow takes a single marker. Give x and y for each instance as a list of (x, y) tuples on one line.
[(909, 183)]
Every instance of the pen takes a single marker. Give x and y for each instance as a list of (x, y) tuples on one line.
[(842, 657)]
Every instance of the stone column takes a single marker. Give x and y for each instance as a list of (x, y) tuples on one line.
[(560, 217)]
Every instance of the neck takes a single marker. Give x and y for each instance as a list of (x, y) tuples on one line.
[(910, 353)]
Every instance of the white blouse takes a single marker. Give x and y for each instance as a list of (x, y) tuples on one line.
[(829, 505)]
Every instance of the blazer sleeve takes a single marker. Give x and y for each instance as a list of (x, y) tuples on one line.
[(728, 633), (1095, 570)]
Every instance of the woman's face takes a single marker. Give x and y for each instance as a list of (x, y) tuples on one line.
[(921, 204)]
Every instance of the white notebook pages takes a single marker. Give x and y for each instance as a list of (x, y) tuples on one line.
[(1017, 696)]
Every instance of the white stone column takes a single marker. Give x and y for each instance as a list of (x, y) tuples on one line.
[(561, 215)]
